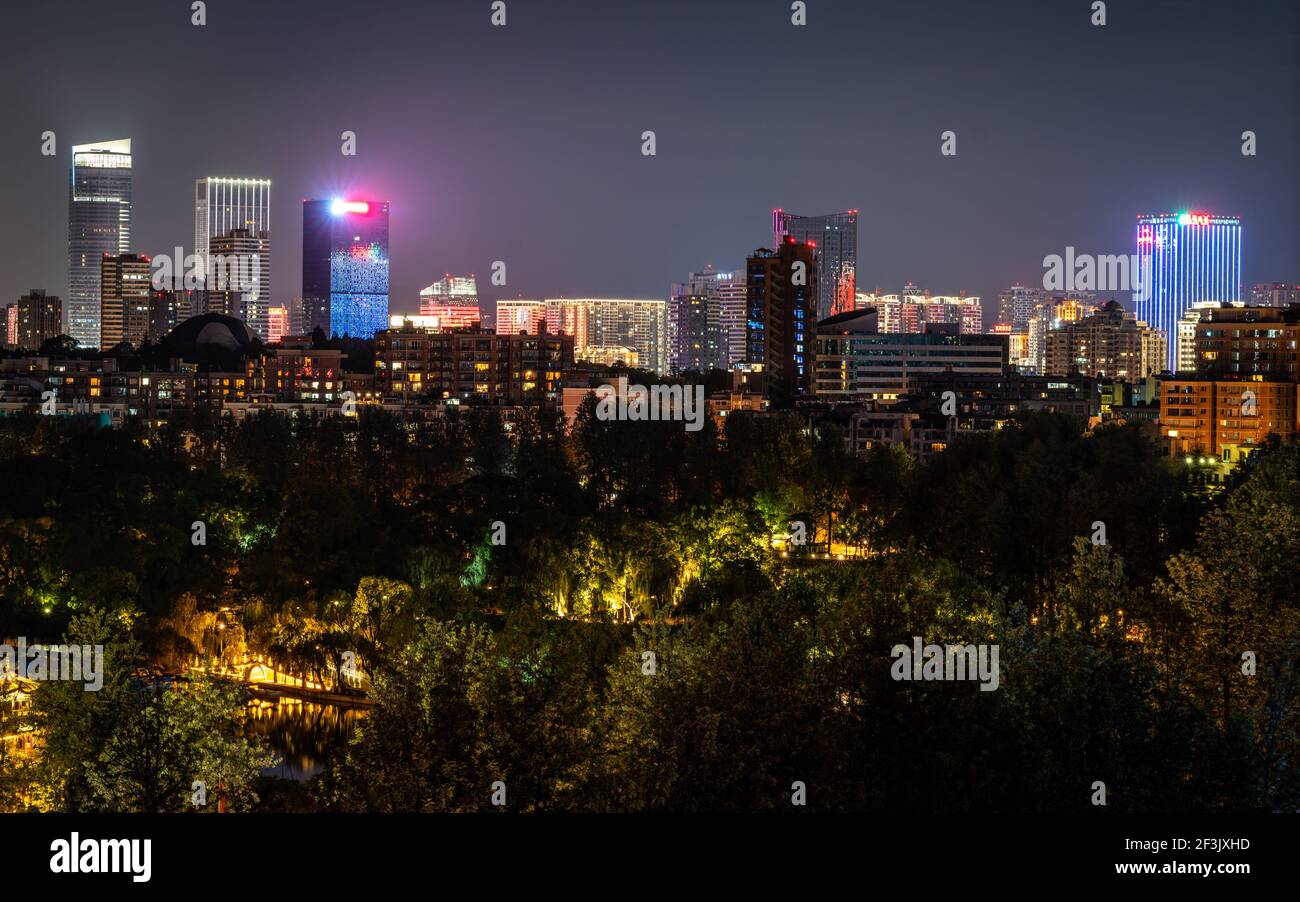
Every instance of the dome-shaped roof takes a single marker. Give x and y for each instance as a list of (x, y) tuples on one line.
[(210, 331)]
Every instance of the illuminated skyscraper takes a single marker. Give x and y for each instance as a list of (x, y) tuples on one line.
[(835, 238), (223, 207), (1190, 257), (345, 266), (99, 223)]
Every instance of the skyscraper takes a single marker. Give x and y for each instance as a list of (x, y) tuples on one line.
[(1190, 257), (345, 266), (224, 206), (782, 318), (835, 238), (99, 223)]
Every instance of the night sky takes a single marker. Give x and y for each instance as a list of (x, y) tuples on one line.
[(523, 143)]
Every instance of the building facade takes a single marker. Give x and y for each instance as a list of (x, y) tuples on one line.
[(696, 338), (856, 362), (471, 364), (34, 319), (124, 290)]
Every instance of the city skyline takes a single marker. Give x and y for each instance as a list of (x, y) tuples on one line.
[(977, 222)]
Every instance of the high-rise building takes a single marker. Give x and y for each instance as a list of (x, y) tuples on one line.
[(733, 297), (1109, 343), (345, 266), (99, 223), (1187, 324), (1254, 342), (1189, 257), (516, 315), (1274, 294), (1244, 388), (35, 318), (600, 324), (124, 289), (1017, 304), (228, 207), (782, 299), (695, 324), (911, 311), (835, 239), (453, 301)]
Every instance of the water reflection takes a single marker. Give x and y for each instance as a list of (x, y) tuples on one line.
[(300, 733)]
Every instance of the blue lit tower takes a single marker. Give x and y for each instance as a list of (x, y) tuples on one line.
[(781, 318), (345, 266), (1191, 257)]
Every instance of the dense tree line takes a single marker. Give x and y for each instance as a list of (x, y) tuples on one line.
[(643, 638)]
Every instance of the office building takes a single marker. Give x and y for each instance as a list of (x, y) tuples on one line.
[(834, 237), (1189, 257), (1274, 294), (857, 362), (345, 266), (99, 223), (237, 210)]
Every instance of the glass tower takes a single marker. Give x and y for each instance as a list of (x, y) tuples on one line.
[(1191, 257), (835, 238), (99, 224)]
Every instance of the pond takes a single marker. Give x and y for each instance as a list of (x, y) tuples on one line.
[(300, 733)]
